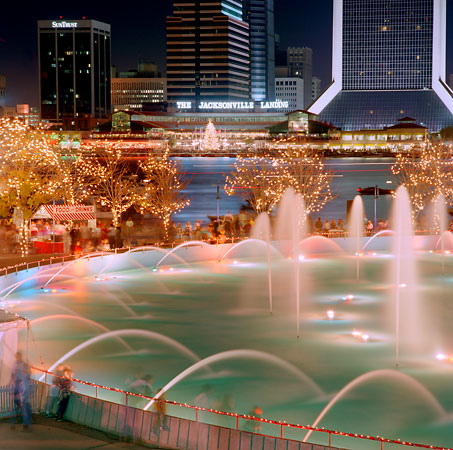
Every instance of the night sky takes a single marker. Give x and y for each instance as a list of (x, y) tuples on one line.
[(138, 29)]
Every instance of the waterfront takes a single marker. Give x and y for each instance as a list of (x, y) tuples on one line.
[(350, 174)]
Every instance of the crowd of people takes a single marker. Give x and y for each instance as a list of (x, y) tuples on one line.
[(81, 237)]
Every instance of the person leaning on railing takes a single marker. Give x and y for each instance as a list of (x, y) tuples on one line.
[(65, 393)]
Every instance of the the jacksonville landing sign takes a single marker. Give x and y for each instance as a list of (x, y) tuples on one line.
[(219, 106)]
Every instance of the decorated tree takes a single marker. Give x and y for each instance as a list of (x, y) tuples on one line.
[(162, 194), (305, 172), (426, 174), (259, 181), (112, 181), (29, 173), (78, 176), (210, 138)]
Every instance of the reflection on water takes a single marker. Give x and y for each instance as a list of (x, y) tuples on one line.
[(350, 174)]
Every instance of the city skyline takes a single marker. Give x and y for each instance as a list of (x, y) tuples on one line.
[(135, 35)]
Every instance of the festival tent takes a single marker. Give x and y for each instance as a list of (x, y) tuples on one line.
[(66, 212)]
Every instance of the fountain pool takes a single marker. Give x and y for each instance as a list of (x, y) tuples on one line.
[(205, 326)]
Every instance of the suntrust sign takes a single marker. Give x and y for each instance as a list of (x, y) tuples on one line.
[(218, 106), (64, 24)]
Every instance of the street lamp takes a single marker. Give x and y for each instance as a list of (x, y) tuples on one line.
[(376, 191), (218, 204)]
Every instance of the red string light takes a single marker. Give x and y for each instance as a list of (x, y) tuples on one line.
[(248, 417)]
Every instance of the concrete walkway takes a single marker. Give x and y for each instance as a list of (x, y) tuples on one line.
[(47, 434)]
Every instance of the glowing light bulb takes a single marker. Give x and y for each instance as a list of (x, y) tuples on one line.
[(441, 357), (331, 314), (403, 285), (301, 258), (235, 262), (356, 333), (365, 337)]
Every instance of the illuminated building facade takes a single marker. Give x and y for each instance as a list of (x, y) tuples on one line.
[(74, 69), (208, 51), (135, 93), (388, 62), (260, 16)]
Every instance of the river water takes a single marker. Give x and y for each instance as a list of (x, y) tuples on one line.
[(350, 174)]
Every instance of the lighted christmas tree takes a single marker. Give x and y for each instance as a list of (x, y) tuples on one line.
[(210, 139)]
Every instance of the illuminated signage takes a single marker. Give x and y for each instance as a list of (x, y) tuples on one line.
[(216, 106), (184, 105), (226, 105), (64, 24), (279, 104)]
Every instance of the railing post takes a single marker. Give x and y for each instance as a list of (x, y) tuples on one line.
[(330, 439), (97, 392), (196, 415), (126, 398), (237, 422), (281, 431), (382, 445), (16, 270)]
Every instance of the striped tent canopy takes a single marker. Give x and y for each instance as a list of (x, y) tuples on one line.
[(71, 212)]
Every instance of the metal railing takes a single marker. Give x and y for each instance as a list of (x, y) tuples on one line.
[(249, 419)]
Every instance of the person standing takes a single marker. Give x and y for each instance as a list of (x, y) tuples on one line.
[(20, 380), (65, 394)]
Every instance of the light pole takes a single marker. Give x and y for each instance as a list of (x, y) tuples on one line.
[(218, 204)]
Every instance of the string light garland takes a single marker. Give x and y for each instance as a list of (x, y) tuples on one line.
[(282, 424), (162, 193), (29, 173), (426, 174), (262, 181), (259, 181), (107, 175)]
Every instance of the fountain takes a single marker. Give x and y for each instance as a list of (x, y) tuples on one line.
[(356, 228), (262, 230), (206, 314)]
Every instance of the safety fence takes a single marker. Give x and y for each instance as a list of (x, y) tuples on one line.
[(7, 406), (273, 429)]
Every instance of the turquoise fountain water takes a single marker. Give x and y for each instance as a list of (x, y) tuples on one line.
[(201, 317)]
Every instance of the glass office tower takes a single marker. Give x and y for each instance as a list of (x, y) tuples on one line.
[(208, 52), (388, 62), (74, 69), (260, 16)]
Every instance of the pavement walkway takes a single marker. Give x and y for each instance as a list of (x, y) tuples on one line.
[(47, 434)]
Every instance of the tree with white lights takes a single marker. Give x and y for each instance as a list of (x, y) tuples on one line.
[(210, 140), (29, 173), (164, 183)]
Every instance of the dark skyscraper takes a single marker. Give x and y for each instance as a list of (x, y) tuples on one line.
[(208, 54), (388, 62), (300, 65), (74, 69), (260, 16)]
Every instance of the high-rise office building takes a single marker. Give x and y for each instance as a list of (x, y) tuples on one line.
[(137, 93), (208, 51), (300, 64), (260, 16), (388, 62), (74, 69), (290, 90)]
